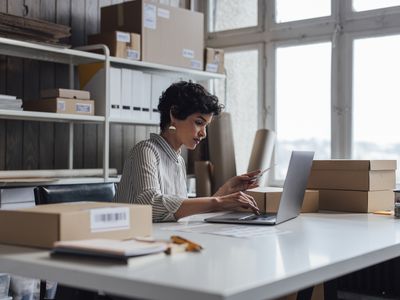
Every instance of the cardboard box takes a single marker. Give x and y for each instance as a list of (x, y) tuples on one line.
[(62, 106), (214, 60), (170, 36), (268, 199), (360, 175), (121, 44), (65, 93), (356, 201), (42, 225)]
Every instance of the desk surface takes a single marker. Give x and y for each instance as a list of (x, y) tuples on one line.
[(307, 250)]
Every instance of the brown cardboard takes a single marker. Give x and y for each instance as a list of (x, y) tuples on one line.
[(65, 93), (170, 36), (61, 105), (356, 201), (214, 60), (362, 175), (268, 199), (121, 44), (42, 225)]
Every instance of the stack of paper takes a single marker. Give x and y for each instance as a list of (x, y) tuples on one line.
[(10, 102), (108, 248)]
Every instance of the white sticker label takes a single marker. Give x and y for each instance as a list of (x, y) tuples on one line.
[(150, 14), (83, 108), (109, 218), (212, 68), (163, 13), (195, 64), (133, 54), (61, 105), (123, 37), (164, 2), (188, 53)]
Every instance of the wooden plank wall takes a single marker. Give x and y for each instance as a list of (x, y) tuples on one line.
[(44, 145)]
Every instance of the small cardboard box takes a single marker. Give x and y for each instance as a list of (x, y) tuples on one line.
[(357, 175), (62, 106), (121, 44), (214, 60), (268, 199), (170, 35), (65, 93), (356, 201), (42, 225)]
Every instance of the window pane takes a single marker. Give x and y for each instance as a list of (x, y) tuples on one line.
[(303, 87), (294, 10), (361, 5), (241, 101), (376, 104), (233, 14)]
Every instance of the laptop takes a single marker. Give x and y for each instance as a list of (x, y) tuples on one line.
[(291, 200)]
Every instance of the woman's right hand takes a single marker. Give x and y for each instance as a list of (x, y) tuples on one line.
[(236, 200)]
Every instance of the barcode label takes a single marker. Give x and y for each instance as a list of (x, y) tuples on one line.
[(188, 53), (133, 54), (61, 106), (109, 218), (83, 108)]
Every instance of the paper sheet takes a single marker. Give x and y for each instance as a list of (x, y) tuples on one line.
[(195, 224)]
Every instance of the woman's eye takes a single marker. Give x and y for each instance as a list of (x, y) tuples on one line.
[(199, 123)]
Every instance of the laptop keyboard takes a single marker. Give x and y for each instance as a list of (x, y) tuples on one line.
[(259, 217)]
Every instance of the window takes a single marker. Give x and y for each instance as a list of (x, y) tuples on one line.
[(241, 101), (303, 76), (232, 14), (362, 5), (293, 10), (376, 94)]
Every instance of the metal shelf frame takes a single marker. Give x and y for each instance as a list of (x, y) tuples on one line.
[(83, 55)]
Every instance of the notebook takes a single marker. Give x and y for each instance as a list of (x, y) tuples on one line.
[(291, 201)]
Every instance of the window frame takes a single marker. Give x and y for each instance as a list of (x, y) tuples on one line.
[(342, 28)]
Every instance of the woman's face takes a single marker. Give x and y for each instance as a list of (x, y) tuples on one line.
[(193, 129)]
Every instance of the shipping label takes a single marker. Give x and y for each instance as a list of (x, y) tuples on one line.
[(124, 37), (133, 54), (212, 68), (109, 218), (163, 13), (188, 53), (150, 16), (61, 106), (83, 108), (195, 64)]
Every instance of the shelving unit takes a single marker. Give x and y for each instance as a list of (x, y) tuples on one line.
[(73, 57)]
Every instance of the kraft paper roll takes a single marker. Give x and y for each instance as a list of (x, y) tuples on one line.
[(222, 150), (203, 170), (261, 153)]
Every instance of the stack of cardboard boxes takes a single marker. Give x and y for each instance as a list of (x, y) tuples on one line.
[(64, 101), (354, 185)]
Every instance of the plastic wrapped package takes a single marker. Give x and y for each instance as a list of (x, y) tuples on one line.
[(4, 285), (22, 288)]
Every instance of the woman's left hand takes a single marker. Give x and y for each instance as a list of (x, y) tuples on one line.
[(239, 183)]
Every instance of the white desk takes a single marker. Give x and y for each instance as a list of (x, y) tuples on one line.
[(315, 248)]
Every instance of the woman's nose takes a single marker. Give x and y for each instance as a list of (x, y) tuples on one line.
[(203, 132)]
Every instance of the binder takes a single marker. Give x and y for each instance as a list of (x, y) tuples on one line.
[(137, 94), (115, 92), (158, 85), (126, 90), (146, 97)]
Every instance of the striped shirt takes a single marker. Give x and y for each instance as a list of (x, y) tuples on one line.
[(154, 174)]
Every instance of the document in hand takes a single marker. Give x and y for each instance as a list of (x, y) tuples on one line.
[(108, 248)]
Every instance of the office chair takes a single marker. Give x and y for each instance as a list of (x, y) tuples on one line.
[(51, 194)]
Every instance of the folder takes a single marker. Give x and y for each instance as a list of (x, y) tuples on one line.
[(146, 97), (137, 94), (158, 85), (115, 92)]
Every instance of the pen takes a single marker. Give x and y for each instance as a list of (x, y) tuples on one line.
[(191, 246)]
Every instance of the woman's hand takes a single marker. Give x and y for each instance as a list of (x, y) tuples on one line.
[(239, 183), (236, 200)]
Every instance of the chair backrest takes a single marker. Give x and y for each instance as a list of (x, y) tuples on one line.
[(50, 194)]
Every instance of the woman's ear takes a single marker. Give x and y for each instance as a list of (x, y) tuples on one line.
[(172, 113)]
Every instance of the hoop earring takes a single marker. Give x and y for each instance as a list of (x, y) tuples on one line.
[(172, 127)]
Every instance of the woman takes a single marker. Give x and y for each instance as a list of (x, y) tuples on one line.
[(155, 172)]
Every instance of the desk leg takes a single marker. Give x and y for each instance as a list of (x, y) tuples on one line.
[(330, 290)]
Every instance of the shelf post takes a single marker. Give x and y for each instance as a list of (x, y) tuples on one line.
[(71, 124)]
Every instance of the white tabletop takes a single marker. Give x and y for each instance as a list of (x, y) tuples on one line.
[(305, 251)]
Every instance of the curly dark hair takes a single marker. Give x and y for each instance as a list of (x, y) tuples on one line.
[(185, 98)]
